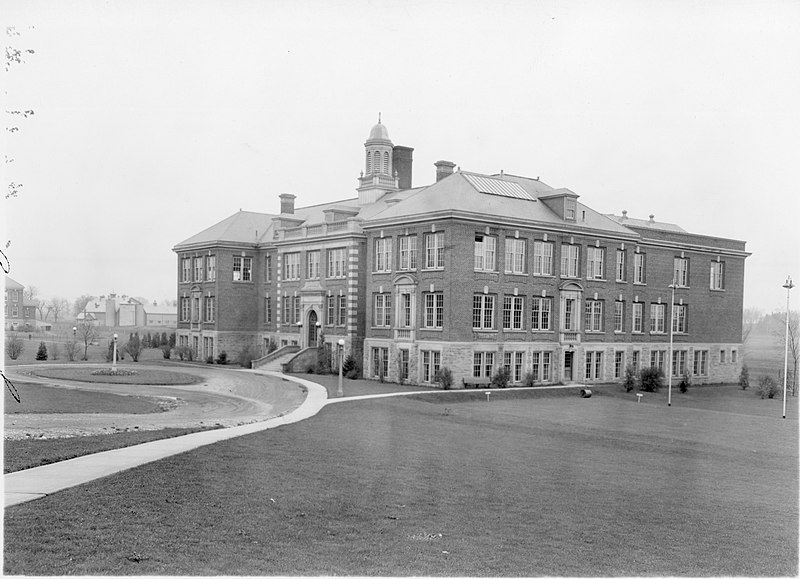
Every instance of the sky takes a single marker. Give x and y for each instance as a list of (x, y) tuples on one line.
[(154, 120)]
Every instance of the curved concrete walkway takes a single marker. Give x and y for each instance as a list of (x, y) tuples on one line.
[(33, 483)]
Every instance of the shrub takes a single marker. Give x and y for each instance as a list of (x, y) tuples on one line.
[(685, 383), (54, 351), (323, 356), (272, 345), (651, 379), (222, 358), (349, 364), (529, 380), (353, 373), (182, 352), (14, 347), (41, 353), (444, 376), (630, 378), (768, 387), (246, 356), (155, 341), (744, 378), (134, 347), (500, 379), (166, 351), (209, 359)]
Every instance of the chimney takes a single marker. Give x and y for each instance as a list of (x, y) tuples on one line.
[(443, 169), (402, 158), (624, 214), (651, 218), (287, 203)]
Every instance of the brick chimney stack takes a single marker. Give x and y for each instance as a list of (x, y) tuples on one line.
[(287, 203), (443, 169), (402, 158)]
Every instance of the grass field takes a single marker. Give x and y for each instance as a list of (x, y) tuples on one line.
[(522, 487), (143, 375)]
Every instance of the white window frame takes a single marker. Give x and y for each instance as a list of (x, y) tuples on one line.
[(593, 316), (434, 250), (637, 311), (595, 262), (570, 260), (408, 252), (483, 306), (542, 258), (337, 263), (639, 268), (383, 311), (541, 314), (513, 310), (211, 268), (291, 266), (515, 256), (681, 269), (717, 276), (657, 318), (434, 310), (312, 264), (383, 255), (621, 265), (485, 252)]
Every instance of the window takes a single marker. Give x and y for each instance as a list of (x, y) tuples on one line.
[(434, 310), (383, 254), (380, 362), (638, 268), (312, 265), (291, 266), (383, 309), (434, 250), (657, 318), (635, 361), (542, 258), (268, 309), (196, 308), (485, 252), (483, 312), (681, 268), (679, 319), (512, 312), (342, 317), (621, 265), (678, 362), (595, 257), (540, 314), (405, 313), (594, 316), (619, 363), (268, 268), (594, 365), (619, 316), (331, 317), (734, 356), (570, 321), (408, 252), (657, 358), (211, 268), (700, 367), (209, 309), (722, 356), (291, 309), (483, 365), (515, 255), (336, 262), (512, 364), (431, 360), (540, 366), (198, 269), (717, 275), (569, 260), (185, 309), (570, 206), (296, 301), (186, 270), (638, 315), (404, 365), (242, 268)]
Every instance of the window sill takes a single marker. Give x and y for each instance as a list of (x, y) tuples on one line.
[(596, 279), (426, 329), (722, 291), (424, 269), (483, 331)]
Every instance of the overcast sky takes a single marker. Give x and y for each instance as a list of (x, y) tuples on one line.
[(155, 120)]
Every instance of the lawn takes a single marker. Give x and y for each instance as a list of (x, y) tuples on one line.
[(148, 376), (519, 487)]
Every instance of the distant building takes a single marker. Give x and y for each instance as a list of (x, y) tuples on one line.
[(127, 312), (161, 315), (474, 272), (18, 312)]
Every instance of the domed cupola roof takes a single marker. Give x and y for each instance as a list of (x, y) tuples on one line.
[(379, 133)]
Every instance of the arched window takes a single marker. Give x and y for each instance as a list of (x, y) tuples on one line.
[(376, 162), (386, 162), (369, 162)]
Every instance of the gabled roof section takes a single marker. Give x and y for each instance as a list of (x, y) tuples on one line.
[(13, 284), (491, 186), (241, 227)]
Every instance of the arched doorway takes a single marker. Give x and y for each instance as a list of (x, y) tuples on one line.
[(312, 329)]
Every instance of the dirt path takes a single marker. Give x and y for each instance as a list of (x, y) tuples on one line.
[(225, 397)]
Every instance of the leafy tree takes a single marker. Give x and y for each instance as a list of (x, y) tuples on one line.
[(14, 347), (222, 358), (155, 341), (630, 378), (166, 351), (767, 387), (41, 354), (171, 339)]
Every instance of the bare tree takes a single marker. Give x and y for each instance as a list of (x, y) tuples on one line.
[(58, 307), (793, 340), (88, 334), (71, 348), (80, 304)]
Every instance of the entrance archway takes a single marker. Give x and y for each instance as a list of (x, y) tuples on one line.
[(312, 329)]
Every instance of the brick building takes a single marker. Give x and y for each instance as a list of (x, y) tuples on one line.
[(473, 272)]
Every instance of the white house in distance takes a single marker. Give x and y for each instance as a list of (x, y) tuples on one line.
[(128, 312)]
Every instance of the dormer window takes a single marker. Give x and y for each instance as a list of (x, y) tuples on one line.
[(570, 207)]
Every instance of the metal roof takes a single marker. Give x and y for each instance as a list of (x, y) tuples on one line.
[(498, 187)]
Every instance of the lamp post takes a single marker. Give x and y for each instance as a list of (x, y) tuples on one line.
[(671, 328), (340, 392), (74, 331), (319, 326), (300, 333), (788, 286), (114, 359)]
